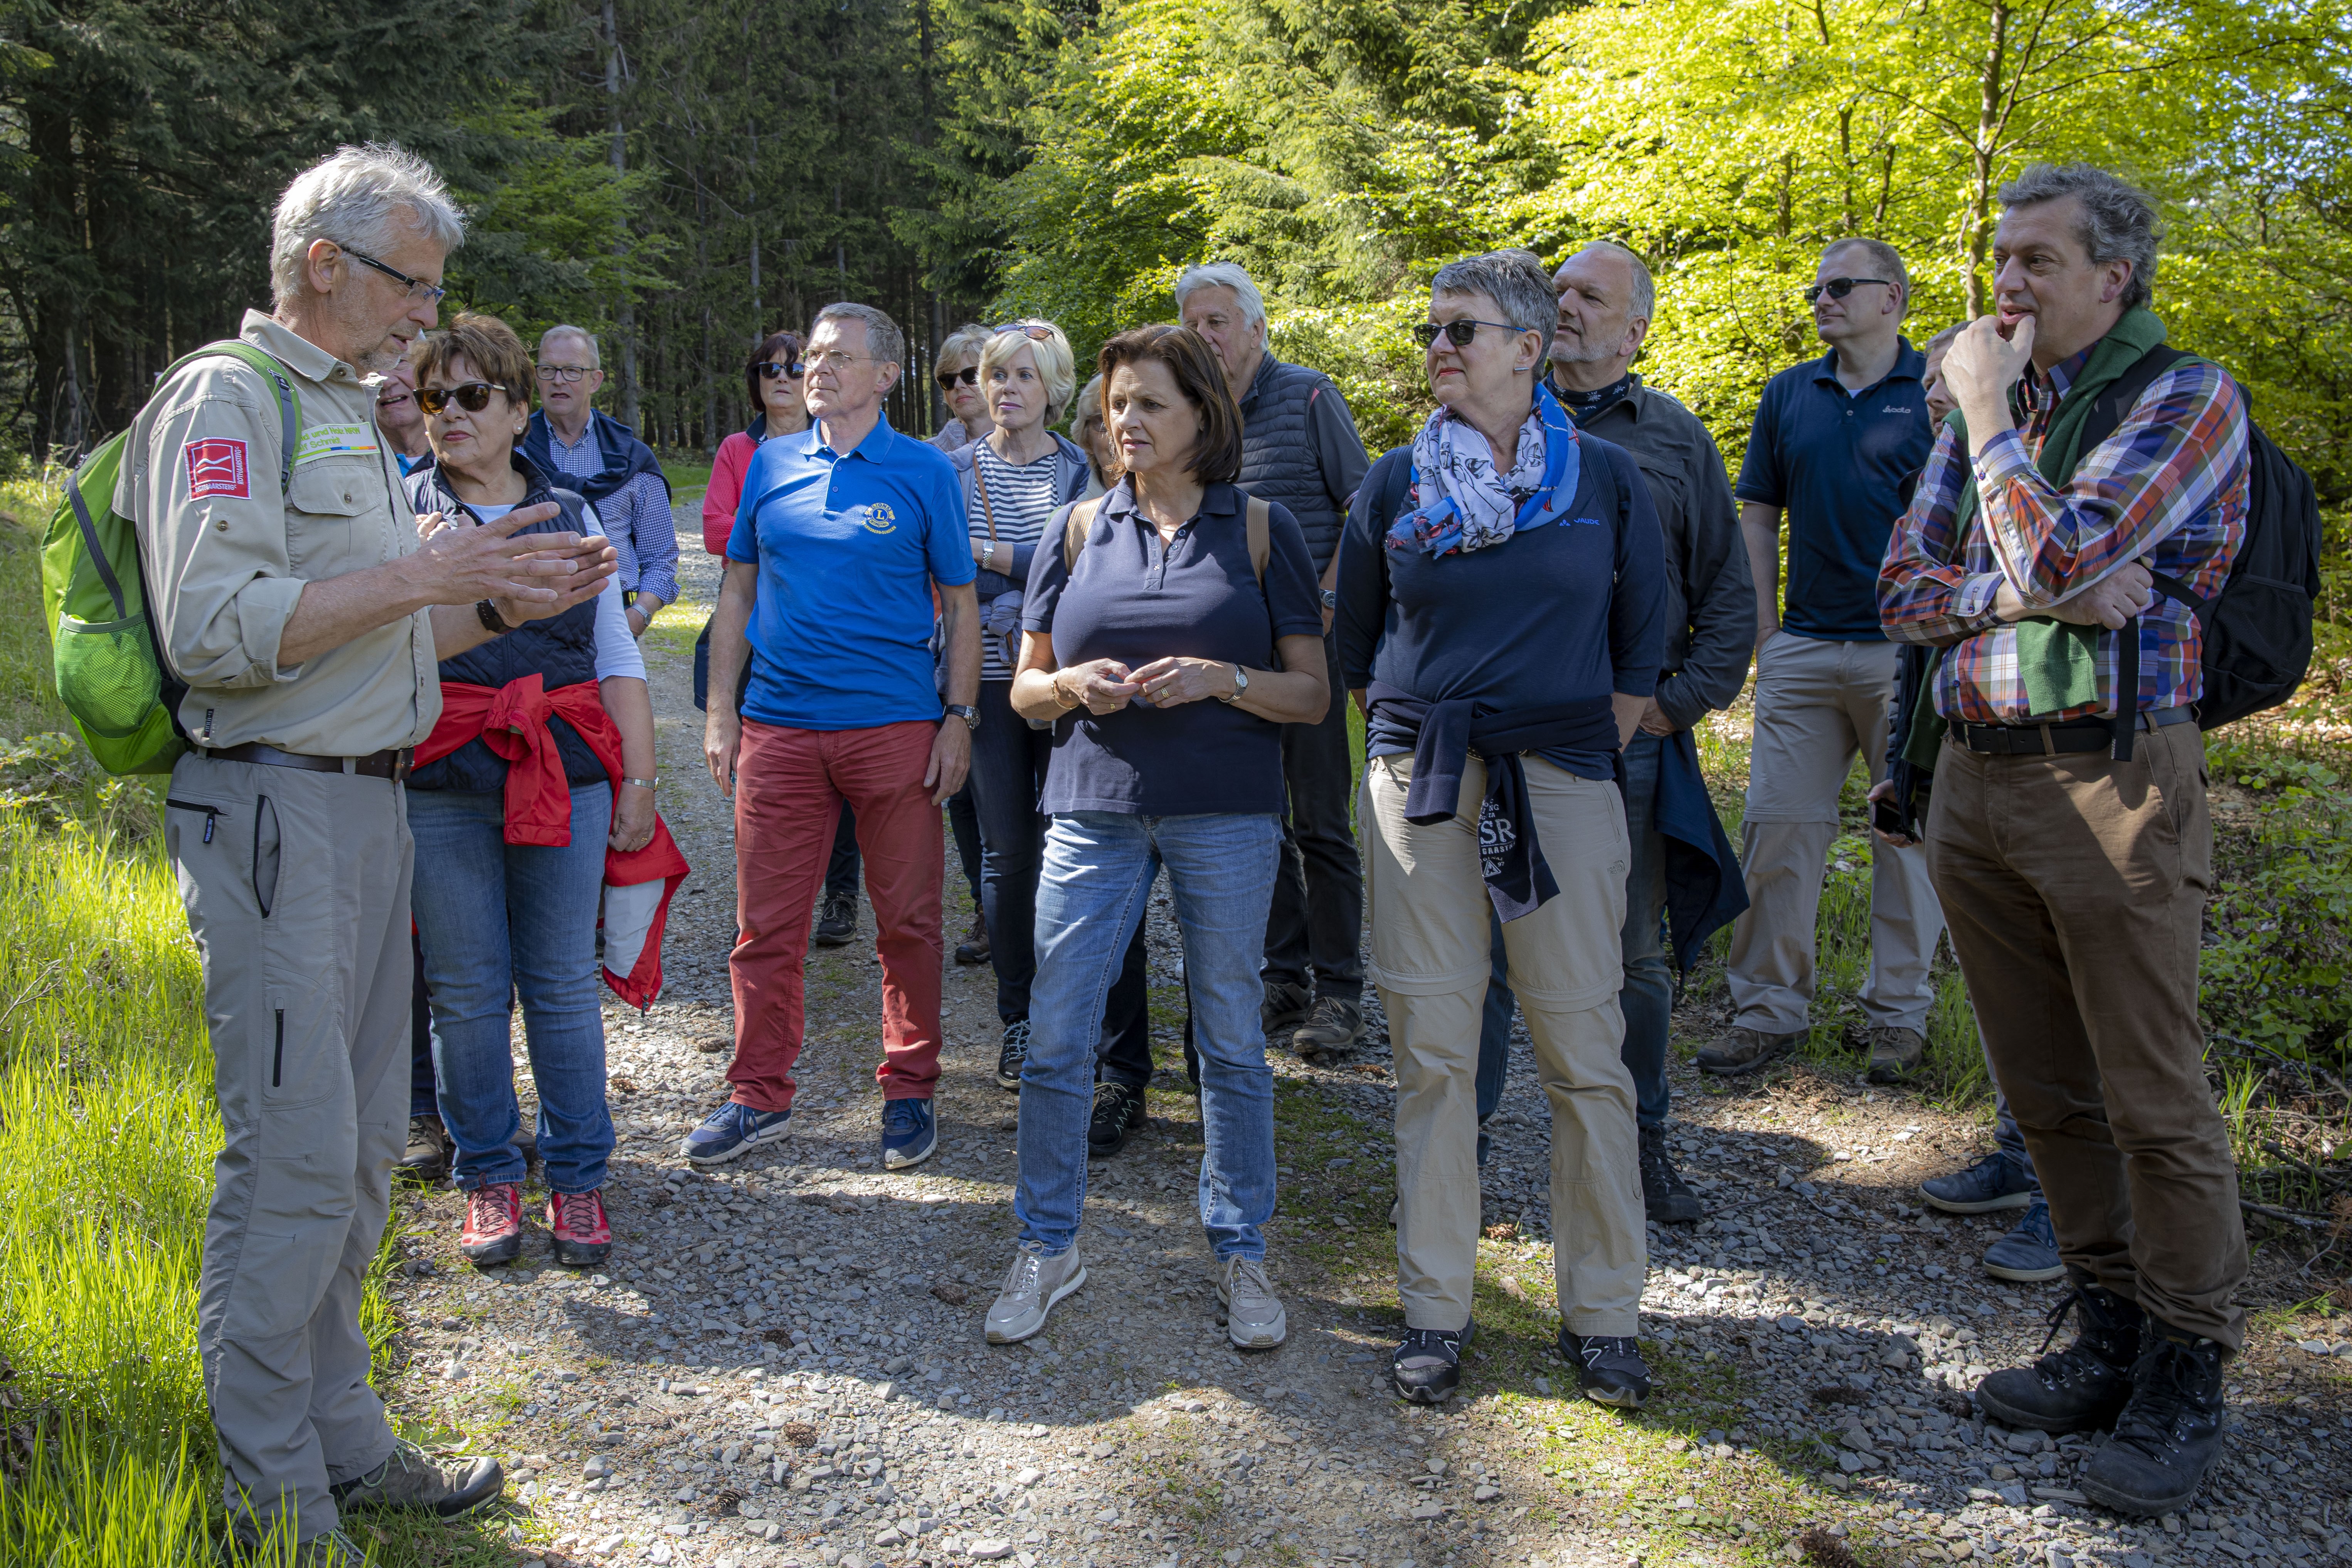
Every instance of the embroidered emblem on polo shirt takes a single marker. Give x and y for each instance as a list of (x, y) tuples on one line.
[(878, 519)]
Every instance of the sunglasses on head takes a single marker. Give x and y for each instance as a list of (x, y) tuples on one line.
[(1459, 333), (1034, 333), (968, 375), (473, 397), (1839, 288), (791, 370)]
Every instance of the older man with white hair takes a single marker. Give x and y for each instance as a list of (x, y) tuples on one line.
[(293, 596), (607, 464), (1299, 447)]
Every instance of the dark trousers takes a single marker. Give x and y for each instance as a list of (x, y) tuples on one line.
[(1647, 995), (1316, 926), (424, 1100), (964, 825), (841, 866)]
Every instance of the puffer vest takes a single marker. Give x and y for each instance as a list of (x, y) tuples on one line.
[(1278, 461), (561, 650)]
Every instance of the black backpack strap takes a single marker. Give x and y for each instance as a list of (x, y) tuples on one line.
[(2107, 411)]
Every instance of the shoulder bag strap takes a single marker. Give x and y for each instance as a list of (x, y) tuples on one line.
[(1074, 531), (1257, 524)]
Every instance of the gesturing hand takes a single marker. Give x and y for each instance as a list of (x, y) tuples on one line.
[(1103, 685), (577, 570), (1173, 682), (462, 566)]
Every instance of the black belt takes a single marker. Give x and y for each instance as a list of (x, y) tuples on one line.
[(2092, 734), (389, 763)]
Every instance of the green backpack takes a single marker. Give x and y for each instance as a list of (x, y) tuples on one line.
[(111, 669)]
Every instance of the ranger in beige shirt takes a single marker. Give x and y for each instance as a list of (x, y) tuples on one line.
[(308, 626)]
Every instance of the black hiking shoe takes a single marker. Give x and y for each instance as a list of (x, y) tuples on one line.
[(1426, 1366), (1666, 1198), (2085, 1386), (836, 919), (2169, 1433), (1608, 1368), (1013, 1055), (1118, 1110)]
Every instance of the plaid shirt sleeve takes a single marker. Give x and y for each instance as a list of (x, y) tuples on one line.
[(646, 540), (2167, 488)]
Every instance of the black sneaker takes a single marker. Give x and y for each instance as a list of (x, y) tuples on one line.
[(1426, 1366), (1608, 1368), (1666, 1198), (836, 919), (2085, 1386), (2169, 1433), (1286, 1006), (1013, 1055), (1119, 1111)]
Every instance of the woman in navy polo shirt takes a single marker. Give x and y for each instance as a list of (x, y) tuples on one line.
[(1501, 593), (1174, 589)]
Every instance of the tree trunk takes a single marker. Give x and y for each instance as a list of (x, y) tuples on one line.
[(1978, 236), (625, 316)]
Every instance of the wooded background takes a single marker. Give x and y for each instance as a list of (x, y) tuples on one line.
[(685, 176)]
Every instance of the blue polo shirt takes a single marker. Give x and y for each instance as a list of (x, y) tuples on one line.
[(1842, 465), (848, 545)]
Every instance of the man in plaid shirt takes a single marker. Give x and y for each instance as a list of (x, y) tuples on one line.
[(2073, 876)]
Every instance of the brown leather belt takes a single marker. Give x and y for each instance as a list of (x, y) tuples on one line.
[(388, 763)]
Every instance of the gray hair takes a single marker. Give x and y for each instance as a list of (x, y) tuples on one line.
[(1514, 279), (1223, 275), (354, 197), (966, 340), (884, 341), (1645, 293), (2119, 221), (1883, 255), (565, 329)]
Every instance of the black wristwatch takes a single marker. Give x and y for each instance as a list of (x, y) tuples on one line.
[(492, 622), (965, 712)]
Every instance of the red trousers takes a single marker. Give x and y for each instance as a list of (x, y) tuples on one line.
[(789, 786)]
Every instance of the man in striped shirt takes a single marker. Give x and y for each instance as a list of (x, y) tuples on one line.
[(2072, 854)]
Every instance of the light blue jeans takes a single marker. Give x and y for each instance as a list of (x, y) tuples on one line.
[(1091, 891), (497, 920)]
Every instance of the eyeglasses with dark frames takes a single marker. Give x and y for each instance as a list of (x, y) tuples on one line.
[(791, 370), (473, 397), (968, 375), (418, 288), (1839, 288), (1459, 333), (551, 373)]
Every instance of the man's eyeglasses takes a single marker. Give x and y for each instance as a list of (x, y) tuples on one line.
[(418, 288), (473, 397), (838, 359), (968, 375), (791, 370), (1839, 288), (1459, 333), (551, 373)]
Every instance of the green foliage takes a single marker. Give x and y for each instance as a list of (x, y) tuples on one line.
[(2278, 951)]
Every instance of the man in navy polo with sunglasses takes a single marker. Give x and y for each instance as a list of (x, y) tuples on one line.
[(1837, 446)]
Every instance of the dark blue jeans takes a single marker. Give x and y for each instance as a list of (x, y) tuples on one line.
[(1648, 993)]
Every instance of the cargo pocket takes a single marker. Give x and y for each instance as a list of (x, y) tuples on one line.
[(302, 1057), (265, 855)]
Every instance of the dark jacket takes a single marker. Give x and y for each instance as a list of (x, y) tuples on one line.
[(1299, 447), (560, 649), (1710, 591)]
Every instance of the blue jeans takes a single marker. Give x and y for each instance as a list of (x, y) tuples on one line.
[(1648, 994), (1098, 875), (499, 919), (2009, 1140)]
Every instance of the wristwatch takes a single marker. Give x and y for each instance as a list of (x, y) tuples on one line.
[(965, 712), (1331, 597), (487, 612), (1241, 684)]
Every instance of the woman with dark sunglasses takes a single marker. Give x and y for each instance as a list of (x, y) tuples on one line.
[(957, 372)]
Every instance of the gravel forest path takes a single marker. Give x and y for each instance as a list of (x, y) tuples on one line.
[(783, 1363)]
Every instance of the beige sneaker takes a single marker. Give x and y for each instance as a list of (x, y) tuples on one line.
[(1895, 1053), (1253, 1317), (1742, 1049)]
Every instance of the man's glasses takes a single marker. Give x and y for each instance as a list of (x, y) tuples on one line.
[(418, 288), (551, 373), (791, 370), (1458, 332), (1839, 288), (968, 375), (473, 397), (838, 359)]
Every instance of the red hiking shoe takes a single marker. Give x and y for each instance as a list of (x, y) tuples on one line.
[(582, 1236), (493, 1232)]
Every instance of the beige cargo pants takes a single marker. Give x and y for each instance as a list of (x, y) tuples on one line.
[(297, 889)]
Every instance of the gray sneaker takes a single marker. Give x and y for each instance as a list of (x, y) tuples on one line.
[(1254, 1315), (409, 1478), (1742, 1049), (1895, 1053), (1334, 1025), (1031, 1286)]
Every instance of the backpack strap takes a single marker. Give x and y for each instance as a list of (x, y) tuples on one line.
[(2107, 411), (265, 365), (1073, 531)]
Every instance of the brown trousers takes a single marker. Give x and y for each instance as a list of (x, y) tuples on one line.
[(2074, 888)]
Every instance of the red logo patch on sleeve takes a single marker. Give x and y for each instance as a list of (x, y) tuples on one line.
[(216, 468)]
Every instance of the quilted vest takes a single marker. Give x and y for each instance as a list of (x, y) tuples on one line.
[(1278, 461)]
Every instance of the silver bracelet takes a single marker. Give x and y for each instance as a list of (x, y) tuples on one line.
[(643, 784)]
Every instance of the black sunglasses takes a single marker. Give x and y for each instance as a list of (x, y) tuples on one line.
[(1839, 288), (1458, 332), (791, 370), (968, 375), (473, 397)]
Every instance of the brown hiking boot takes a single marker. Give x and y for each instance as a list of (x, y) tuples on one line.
[(1742, 1049), (1333, 1025), (408, 1479), (1895, 1053), (973, 948), (426, 1158)]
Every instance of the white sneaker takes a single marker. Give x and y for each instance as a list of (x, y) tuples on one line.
[(1032, 1286), (1254, 1315)]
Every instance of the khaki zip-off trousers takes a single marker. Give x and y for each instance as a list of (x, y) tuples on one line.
[(1432, 954), (297, 889)]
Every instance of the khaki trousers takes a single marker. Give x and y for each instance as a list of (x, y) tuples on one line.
[(297, 889), (1431, 957), (2075, 887), (1818, 704)]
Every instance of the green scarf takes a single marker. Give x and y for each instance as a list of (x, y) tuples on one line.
[(2058, 659)]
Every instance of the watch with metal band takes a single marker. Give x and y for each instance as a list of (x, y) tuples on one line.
[(492, 622), (1241, 684), (645, 783), (1331, 597), (965, 712)]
